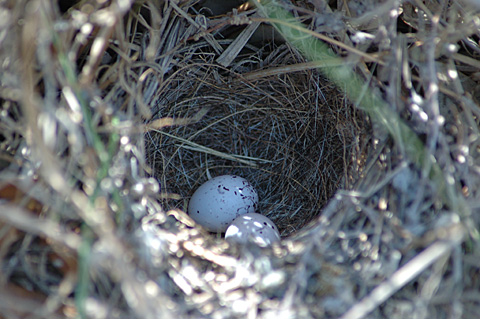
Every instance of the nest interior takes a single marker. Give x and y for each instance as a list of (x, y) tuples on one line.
[(293, 135)]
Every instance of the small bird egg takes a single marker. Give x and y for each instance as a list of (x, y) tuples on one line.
[(253, 226), (217, 202)]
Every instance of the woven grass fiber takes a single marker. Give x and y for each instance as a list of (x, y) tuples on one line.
[(293, 136), (356, 121)]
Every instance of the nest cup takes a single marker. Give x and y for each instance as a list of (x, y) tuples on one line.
[(294, 136)]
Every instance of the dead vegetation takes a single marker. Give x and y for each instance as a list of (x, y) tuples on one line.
[(292, 135), (113, 112)]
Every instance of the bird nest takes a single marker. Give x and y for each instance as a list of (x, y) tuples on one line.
[(294, 136), (357, 122)]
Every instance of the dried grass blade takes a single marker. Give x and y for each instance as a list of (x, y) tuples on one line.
[(237, 45), (199, 148), (284, 69), (408, 272), (170, 121)]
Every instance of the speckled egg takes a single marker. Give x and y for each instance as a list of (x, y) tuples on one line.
[(252, 226), (217, 202)]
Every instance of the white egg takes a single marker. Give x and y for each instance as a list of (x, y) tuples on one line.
[(255, 227), (217, 202)]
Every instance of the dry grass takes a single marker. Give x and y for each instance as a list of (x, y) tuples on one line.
[(291, 135), (112, 113)]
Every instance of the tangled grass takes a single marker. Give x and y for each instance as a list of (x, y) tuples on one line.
[(293, 136), (364, 148)]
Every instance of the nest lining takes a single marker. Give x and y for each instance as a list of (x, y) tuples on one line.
[(292, 136)]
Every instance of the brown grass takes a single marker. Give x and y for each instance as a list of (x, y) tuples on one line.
[(291, 135), (112, 113)]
